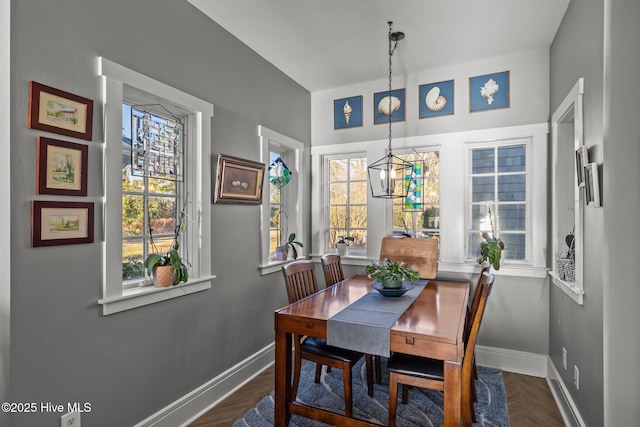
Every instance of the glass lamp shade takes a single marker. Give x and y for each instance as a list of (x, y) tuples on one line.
[(387, 177)]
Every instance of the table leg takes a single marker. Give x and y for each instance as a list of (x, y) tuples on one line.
[(283, 379), (452, 394)]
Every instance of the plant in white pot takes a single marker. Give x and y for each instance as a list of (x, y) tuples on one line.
[(282, 251), (168, 268), (342, 245)]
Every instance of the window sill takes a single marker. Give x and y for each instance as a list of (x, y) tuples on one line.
[(139, 297), (568, 288)]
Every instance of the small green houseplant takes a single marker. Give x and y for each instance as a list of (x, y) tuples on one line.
[(290, 244), (171, 258), (491, 247), (391, 273)]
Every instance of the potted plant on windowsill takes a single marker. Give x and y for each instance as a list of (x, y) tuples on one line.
[(342, 245), (168, 268), (567, 263), (282, 251), (491, 246)]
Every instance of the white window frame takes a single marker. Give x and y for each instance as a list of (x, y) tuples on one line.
[(116, 79), (293, 198), (453, 190), (567, 136), (526, 141)]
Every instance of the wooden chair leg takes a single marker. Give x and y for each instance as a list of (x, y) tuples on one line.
[(473, 383), (378, 370), (297, 365), (319, 372), (468, 412), (369, 362), (405, 394), (348, 404), (393, 398)]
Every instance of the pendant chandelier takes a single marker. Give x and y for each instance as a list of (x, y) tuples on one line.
[(387, 175)]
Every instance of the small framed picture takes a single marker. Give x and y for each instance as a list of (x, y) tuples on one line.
[(56, 111), (61, 167), (61, 223), (592, 184), (582, 158), (385, 106), (435, 99), (238, 181), (347, 112), (489, 92)]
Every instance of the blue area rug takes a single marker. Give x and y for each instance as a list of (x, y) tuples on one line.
[(424, 407)]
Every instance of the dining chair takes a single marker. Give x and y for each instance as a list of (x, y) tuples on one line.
[(485, 267), (300, 280), (332, 267), (333, 273), (429, 373)]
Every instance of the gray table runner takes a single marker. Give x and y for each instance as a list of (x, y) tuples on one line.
[(365, 325)]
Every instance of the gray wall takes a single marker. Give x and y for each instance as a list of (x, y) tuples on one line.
[(577, 51), (131, 364), (621, 175)]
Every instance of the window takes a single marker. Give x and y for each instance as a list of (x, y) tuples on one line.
[(283, 210), (498, 197), (133, 203), (418, 214), (149, 203), (568, 202), (465, 174), (348, 190)]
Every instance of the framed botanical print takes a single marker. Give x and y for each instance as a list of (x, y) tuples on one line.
[(61, 223), (64, 113), (61, 167), (592, 184)]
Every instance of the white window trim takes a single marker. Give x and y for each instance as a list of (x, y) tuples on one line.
[(114, 297), (526, 141), (569, 108), (453, 181), (294, 203)]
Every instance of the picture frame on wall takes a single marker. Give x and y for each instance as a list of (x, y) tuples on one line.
[(347, 112), (61, 223), (489, 92), (435, 99), (582, 159), (57, 111), (592, 185), (238, 181), (61, 167), (381, 106)]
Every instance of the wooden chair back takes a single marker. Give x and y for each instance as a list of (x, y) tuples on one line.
[(485, 268), (332, 267), (476, 314), (300, 279), (421, 254)]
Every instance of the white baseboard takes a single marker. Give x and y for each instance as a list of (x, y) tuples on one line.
[(520, 362), (567, 406), (191, 406)]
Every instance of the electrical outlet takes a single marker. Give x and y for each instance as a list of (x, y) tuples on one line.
[(564, 358), (576, 377), (70, 419)]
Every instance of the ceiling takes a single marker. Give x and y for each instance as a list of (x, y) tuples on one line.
[(323, 44)]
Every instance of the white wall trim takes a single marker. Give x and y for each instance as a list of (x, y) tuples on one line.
[(520, 362), (566, 405), (195, 403)]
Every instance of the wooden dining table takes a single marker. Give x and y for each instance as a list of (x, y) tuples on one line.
[(432, 326)]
